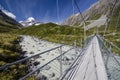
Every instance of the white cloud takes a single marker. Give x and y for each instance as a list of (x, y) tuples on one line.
[(9, 14)]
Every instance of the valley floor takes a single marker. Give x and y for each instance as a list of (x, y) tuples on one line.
[(34, 46)]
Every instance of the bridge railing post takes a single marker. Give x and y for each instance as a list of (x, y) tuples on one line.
[(81, 43), (61, 61), (110, 48), (105, 42), (75, 46), (84, 34)]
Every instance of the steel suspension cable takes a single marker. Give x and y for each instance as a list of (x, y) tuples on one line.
[(58, 16), (110, 52), (27, 58), (82, 19), (79, 60), (109, 16), (73, 7), (117, 22), (79, 11), (24, 77)]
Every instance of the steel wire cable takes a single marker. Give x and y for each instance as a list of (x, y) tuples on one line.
[(24, 77), (109, 16), (27, 58), (117, 22)]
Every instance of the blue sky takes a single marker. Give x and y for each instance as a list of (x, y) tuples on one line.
[(43, 10)]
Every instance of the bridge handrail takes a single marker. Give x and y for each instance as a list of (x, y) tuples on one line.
[(21, 60), (44, 65), (110, 43), (110, 52), (80, 60), (75, 63)]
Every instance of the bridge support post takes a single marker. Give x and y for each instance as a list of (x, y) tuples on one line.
[(61, 61), (97, 31), (110, 47), (84, 35), (105, 42), (75, 46), (81, 43), (106, 25)]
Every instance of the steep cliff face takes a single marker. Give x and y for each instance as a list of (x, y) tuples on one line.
[(94, 12)]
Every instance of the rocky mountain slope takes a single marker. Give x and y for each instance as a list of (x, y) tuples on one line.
[(7, 23), (98, 9)]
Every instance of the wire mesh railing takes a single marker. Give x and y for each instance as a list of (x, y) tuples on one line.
[(39, 66), (111, 60)]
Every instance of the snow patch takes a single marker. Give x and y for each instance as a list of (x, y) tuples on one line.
[(29, 22), (9, 14), (30, 19)]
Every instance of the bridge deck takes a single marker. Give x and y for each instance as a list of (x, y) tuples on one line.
[(91, 67)]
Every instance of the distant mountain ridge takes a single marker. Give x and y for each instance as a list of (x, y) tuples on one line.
[(96, 10), (7, 23), (29, 22)]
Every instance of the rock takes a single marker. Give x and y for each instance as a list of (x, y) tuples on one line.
[(36, 63), (47, 67), (42, 77), (52, 75), (31, 52)]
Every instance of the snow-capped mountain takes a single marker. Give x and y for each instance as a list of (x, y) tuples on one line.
[(29, 22)]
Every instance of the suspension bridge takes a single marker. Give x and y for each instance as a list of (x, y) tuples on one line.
[(95, 61)]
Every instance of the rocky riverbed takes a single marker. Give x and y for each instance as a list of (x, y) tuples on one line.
[(52, 71)]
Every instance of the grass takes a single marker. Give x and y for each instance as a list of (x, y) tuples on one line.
[(54, 33), (66, 34), (9, 49), (50, 32), (10, 52), (7, 27)]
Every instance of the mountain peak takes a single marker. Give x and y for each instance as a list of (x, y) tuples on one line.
[(30, 19), (29, 22)]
